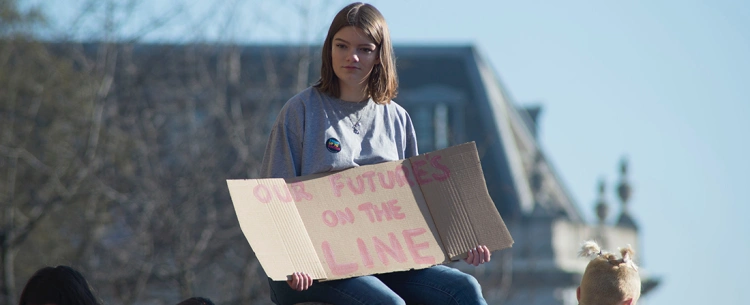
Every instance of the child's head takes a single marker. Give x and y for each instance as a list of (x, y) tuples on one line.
[(381, 81), (607, 279), (59, 285)]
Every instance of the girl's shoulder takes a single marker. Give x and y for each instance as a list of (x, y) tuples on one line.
[(302, 101), (397, 109), (304, 97), (396, 106)]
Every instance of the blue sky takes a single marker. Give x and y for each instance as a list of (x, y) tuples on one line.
[(665, 83)]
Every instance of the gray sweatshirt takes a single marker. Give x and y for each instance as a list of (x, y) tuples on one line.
[(316, 133)]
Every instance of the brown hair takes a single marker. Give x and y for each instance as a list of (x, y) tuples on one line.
[(607, 279), (382, 85)]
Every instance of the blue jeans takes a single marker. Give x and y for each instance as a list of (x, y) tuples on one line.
[(435, 285)]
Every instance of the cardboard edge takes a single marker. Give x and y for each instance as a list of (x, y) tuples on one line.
[(276, 256), (478, 234)]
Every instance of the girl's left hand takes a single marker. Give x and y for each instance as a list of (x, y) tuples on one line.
[(478, 255)]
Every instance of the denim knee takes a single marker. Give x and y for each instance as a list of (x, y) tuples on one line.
[(467, 281), (470, 292), (466, 289)]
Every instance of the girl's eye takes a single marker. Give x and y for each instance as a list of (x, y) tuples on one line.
[(367, 50), (340, 46)]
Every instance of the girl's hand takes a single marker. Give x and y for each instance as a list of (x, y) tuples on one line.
[(300, 281), (478, 255)]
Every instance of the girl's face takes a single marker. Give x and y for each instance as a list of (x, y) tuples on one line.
[(353, 56)]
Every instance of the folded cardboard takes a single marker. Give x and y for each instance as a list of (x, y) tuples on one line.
[(407, 214)]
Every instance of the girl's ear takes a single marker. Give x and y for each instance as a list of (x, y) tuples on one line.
[(578, 293), (628, 302)]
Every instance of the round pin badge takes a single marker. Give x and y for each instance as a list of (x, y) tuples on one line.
[(333, 145)]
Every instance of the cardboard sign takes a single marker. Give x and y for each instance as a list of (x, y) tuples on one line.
[(393, 216)]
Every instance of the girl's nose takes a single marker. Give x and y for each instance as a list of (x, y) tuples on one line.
[(355, 58)]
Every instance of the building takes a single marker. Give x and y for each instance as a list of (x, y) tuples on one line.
[(454, 96)]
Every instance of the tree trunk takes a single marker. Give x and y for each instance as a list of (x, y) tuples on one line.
[(9, 287), (9, 281)]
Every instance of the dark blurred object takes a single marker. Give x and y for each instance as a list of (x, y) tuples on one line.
[(61, 285), (196, 301)]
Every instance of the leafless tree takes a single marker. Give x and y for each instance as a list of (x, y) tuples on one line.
[(114, 154), (49, 144)]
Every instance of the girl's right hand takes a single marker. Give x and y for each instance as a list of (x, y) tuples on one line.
[(300, 281)]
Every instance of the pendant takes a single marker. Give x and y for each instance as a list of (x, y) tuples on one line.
[(356, 128)]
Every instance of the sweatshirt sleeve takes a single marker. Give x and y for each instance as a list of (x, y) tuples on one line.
[(410, 149), (283, 154)]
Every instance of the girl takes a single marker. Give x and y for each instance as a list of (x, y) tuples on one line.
[(608, 280), (347, 119)]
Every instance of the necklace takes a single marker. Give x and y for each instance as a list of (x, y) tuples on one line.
[(356, 124)]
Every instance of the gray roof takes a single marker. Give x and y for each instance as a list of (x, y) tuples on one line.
[(521, 179)]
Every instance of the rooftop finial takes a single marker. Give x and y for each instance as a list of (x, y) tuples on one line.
[(624, 191), (602, 209)]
